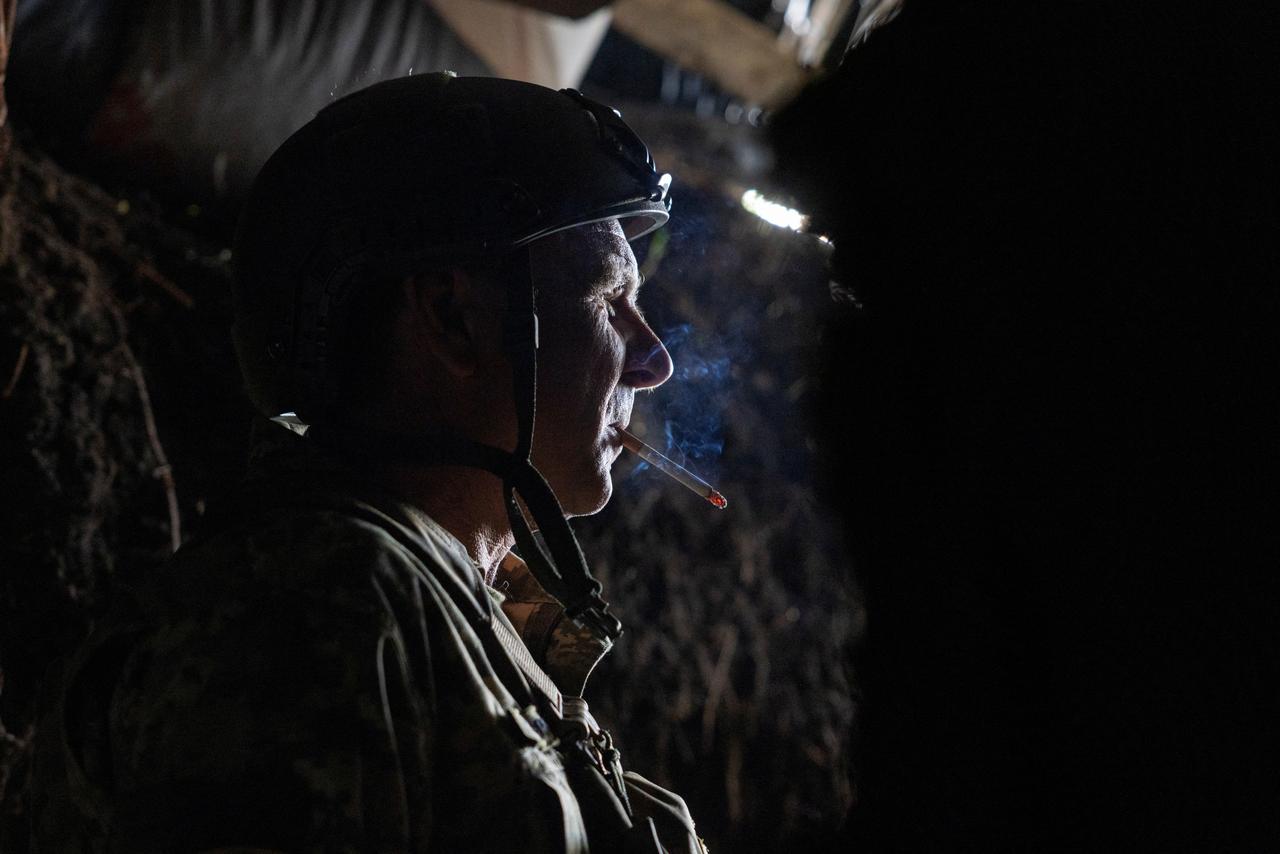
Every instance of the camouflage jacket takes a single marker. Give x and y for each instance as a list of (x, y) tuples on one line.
[(296, 679)]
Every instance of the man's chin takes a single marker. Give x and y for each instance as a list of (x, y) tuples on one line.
[(588, 502)]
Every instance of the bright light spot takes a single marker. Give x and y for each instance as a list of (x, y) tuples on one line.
[(773, 212)]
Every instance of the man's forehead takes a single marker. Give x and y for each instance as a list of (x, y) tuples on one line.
[(587, 257)]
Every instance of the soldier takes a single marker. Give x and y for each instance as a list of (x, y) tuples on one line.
[(349, 656)]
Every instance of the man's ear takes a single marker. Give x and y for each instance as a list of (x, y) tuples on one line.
[(442, 303)]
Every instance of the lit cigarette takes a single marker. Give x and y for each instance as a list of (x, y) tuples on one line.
[(658, 461)]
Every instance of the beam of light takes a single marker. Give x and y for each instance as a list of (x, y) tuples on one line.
[(774, 213)]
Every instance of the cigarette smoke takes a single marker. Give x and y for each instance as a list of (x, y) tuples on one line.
[(689, 405)]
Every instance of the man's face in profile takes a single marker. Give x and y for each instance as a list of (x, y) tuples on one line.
[(596, 351)]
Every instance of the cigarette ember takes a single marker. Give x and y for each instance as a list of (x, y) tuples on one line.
[(658, 461)]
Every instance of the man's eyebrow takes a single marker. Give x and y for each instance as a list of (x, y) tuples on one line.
[(629, 284)]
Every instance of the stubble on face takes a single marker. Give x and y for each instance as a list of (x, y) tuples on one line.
[(581, 360)]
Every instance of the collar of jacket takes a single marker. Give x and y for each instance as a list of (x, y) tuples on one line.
[(567, 651)]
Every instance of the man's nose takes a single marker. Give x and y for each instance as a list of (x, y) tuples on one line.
[(648, 362)]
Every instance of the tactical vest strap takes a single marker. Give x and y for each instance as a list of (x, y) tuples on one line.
[(533, 674)]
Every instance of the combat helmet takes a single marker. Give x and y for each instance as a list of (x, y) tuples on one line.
[(418, 172)]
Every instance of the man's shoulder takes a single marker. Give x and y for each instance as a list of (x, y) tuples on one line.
[(276, 604), (334, 540), (267, 656), (303, 505), (293, 583)]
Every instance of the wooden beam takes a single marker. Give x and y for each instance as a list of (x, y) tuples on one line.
[(711, 38)]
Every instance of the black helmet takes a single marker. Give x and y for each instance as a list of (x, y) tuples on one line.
[(409, 172), (417, 172)]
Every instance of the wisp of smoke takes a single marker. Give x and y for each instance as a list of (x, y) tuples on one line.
[(692, 424)]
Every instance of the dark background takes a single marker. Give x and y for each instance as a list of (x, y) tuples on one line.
[(1058, 407)]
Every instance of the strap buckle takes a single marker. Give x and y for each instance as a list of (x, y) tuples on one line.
[(593, 612)]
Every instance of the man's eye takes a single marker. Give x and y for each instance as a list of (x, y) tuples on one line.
[(611, 301)]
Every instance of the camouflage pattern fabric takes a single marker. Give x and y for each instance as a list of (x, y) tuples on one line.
[(295, 681), (567, 651)]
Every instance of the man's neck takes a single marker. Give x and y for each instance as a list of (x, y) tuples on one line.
[(466, 502)]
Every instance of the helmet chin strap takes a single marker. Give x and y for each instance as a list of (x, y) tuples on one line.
[(560, 566)]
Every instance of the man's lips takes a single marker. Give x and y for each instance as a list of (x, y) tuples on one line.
[(618, 427)]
